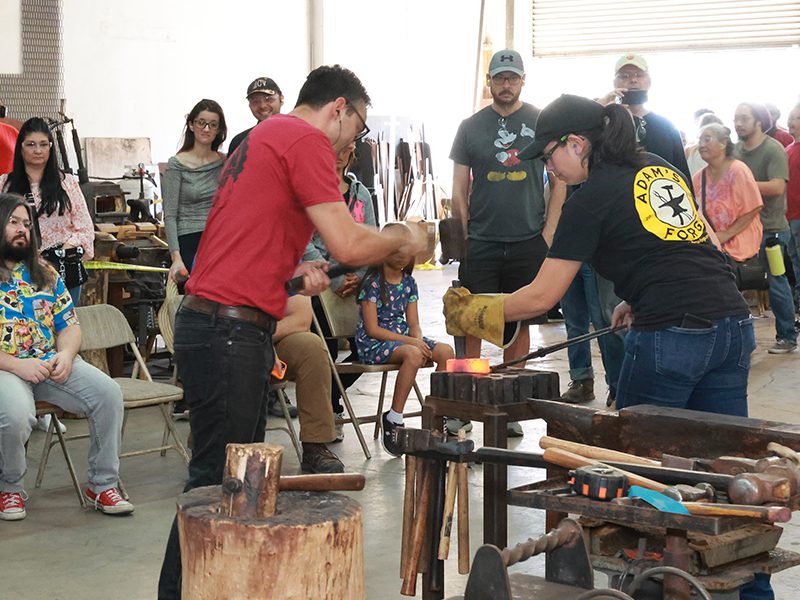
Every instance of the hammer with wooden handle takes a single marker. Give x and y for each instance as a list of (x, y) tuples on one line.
[(570, 460), (595, 452)]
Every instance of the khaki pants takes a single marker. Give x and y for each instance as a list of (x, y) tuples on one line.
[(307, 364)]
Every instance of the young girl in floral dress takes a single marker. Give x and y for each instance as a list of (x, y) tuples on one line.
[(389, 332)]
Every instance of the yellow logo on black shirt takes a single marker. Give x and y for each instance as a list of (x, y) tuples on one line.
[(666, 207)]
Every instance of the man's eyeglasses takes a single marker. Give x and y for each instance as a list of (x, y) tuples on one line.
[(14, 222), (34, 145), (202, 124), (365, 129), (547, 156), (501, 79), (628, 75)]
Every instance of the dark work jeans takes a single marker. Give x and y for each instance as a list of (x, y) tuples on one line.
[(225, 367)]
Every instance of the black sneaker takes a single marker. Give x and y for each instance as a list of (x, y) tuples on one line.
[(390, 435), (318, 459), (274, 407)]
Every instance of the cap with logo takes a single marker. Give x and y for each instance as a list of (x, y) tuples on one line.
[(637, 60), (263, 85), (564, 115), (506, 60)]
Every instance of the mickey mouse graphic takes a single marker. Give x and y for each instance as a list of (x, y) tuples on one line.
[(508, 155)]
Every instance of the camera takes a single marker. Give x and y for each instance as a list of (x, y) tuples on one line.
[(634, 97)]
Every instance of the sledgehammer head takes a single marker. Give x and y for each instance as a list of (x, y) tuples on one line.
[(431, 444)]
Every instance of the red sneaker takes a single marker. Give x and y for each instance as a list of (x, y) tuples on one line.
[(110, 502), (12, 506)]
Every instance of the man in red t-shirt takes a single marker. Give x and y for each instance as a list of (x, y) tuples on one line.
[(277, 188)]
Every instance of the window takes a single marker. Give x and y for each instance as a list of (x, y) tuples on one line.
[(581, 27)]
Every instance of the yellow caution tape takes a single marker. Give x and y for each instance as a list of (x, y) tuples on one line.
[(115, 266)]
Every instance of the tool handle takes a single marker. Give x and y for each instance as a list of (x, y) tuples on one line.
[(594, 451), (295, 284), (329, 482), (570, 460), (463, 518), (783, 451), (408, 511), (449, 508), (768, 514), (559, 346), (424, 484)]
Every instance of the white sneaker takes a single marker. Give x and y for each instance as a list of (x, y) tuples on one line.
[(339, 426), (43, 423)]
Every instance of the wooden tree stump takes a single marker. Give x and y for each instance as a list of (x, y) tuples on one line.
[(243, 540)]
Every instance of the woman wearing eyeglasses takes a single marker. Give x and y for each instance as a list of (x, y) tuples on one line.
[(190, 183), (635, 221), (63, 219)]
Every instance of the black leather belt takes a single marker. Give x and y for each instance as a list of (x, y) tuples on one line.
[(246, 314)]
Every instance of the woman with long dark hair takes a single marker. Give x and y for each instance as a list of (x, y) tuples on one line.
[(635, 221), (190, 183), (63, 219)]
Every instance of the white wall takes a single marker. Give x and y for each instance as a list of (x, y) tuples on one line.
[(135, 69), (10, 37)]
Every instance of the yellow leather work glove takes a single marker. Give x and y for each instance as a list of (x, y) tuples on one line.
[(479, 315)]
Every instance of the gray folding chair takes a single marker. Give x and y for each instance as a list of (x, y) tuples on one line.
[(104, 326), (342, 316)]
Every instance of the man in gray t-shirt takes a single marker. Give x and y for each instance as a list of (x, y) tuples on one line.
[(769, 164), (503, 213)]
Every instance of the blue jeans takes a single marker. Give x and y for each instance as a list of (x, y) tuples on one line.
[(794, 255), (225, 367), (780, 292), (75, 294), (696, 369), (87, 390), (590, 300)]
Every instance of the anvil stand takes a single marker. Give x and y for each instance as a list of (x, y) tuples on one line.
[(495, 433)]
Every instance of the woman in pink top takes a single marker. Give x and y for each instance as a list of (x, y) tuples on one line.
[(64, 220), (728, 195)]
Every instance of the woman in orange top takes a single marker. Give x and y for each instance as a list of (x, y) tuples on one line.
[(728, 195)]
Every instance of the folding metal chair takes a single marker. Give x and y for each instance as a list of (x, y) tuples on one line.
[(42, 409), (342, 317)]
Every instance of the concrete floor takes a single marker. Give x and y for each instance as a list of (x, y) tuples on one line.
[(63, 552)]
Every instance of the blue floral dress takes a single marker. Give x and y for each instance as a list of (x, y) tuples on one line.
[(391, 316)]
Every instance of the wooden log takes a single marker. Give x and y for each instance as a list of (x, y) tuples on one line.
[(251, 479), (310, 547)]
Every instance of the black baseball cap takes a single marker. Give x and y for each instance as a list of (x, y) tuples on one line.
[(263, 85), (564, 115)]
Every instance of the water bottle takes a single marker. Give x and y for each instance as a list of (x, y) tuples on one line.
[(775, 257)]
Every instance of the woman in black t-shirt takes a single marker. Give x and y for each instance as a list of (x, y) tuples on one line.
[(635, 220)]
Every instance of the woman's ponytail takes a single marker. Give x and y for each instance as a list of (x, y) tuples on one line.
[(616, 143)]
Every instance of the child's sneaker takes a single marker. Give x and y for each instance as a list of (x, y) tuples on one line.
[(339, 426), (12, 506), (110, 502), (389, 437)]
